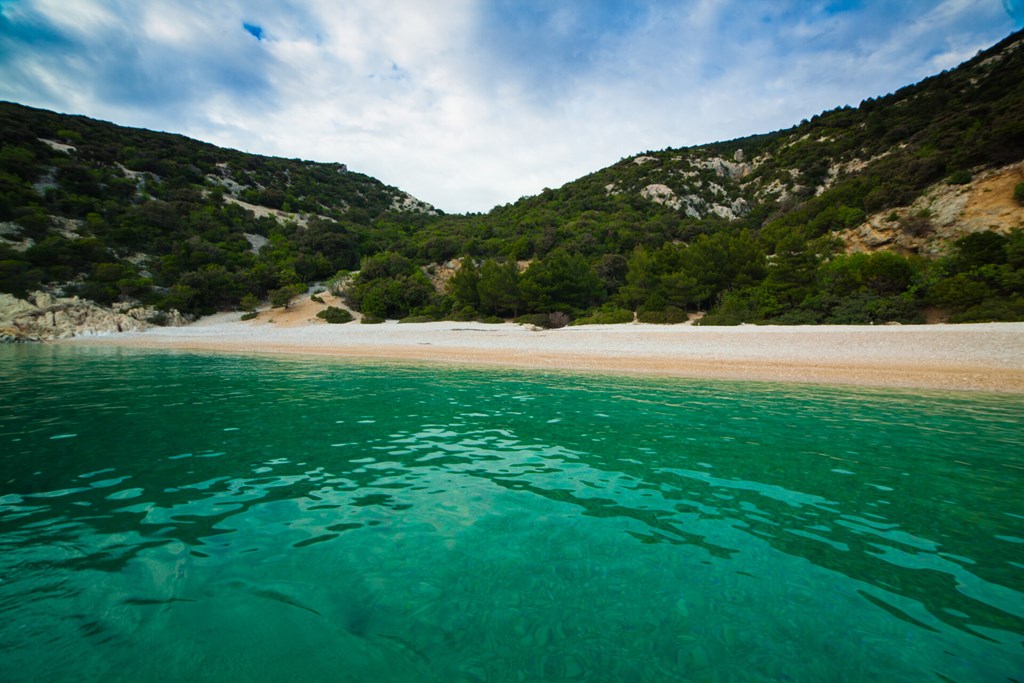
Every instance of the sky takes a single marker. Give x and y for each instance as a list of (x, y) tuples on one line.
[(468, 104)]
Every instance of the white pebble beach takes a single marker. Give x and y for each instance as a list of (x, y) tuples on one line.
[(976, 357)]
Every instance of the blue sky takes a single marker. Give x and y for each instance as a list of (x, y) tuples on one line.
[(471, 103)]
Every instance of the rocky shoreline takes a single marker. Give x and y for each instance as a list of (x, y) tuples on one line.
[(44, 317)]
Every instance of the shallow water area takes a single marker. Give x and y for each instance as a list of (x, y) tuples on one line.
[(184, 516)]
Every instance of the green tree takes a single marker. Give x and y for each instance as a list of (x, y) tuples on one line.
[(642, 279), (282, 297), (464, 284), (498, 288), (561, 282), (249, 303)]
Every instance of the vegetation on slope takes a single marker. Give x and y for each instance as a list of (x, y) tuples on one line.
[(750, 230)]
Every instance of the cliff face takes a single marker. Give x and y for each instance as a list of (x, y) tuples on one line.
[(45, 318), (942, 214)]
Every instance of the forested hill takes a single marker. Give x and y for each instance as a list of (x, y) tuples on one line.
[(906, 207), (109, 213)]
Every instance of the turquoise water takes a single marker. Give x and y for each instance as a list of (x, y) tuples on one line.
[(170, 516)]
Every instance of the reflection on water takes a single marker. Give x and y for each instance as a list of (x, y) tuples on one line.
[(179, 515)]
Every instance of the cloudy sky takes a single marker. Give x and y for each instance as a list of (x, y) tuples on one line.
[(471, 103)]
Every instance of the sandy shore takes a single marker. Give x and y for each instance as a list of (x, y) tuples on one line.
[(983, 357)]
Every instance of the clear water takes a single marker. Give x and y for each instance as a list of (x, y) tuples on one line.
[(186, 517)]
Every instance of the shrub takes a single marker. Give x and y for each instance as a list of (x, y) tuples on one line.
[(250, 315), (316, 298), (960, 177), (670, 316), (418, 319), (606, 316), (464, 314), (282, 298), (371, 320), (335, 315), (992, 310), (492, 320), (249, 303), (535, 319), (1018, 193)]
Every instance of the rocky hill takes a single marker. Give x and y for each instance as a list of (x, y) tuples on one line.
[(837, 172)]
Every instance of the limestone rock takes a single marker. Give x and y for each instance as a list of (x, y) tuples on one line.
[(662, 194), (44, 317), (943, 214)]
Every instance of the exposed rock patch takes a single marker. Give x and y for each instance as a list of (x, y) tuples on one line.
[(662, 194), (406, 202), (256, 242), (943, 214), (724, 168), (58, 146)]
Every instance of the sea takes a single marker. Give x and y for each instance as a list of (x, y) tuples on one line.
[(173, 516)]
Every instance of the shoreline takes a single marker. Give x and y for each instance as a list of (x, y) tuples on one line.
[(986, 357)]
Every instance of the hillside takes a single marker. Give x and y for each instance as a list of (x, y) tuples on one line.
[(905, 208), (113, 213)]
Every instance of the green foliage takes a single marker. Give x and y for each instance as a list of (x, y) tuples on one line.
[(249, 303), (335, 315), (249, 315), (418, 319), (498, 288), (370, 320), (606, 315), (561, 282), (1018, 193), (464, 285), (535, 319), (282, 297), (389, 285), (960, 177), (671, 315), (992, 310), (982, 278)]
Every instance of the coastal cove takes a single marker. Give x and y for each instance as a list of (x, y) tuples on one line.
[(977, 357), (240, 516)]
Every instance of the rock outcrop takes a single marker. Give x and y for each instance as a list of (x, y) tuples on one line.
[(45, 318), (942, 214)]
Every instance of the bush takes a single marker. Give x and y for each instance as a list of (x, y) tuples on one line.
[(282, 298), (992, 310), (249, 316), (418, 319), (959, 178), (316, 298), (465, 313), (335, 315), (371, 320), (606, 316), (670, 316), (1018, 193), (535, 319), (798, 316), (492, 320)]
